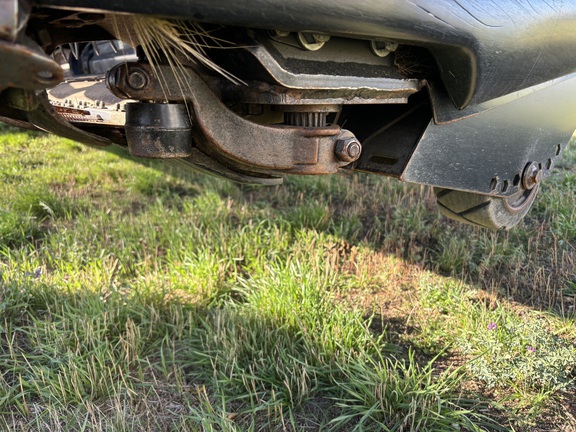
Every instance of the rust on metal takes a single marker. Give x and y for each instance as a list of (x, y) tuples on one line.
[(71, 111), (531, 176), (263, 93), (258, 148), (24, 67)]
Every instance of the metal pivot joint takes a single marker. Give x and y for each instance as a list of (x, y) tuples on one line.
[(348, 149), (531, 176), (137, 80), (227, 136)]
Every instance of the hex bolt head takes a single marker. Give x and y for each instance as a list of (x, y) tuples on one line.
[(348, 149), (137, 79), (531, 175)]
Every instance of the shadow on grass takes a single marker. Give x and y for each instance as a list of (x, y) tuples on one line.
[(534, 264), (165, 217), (146, 359)]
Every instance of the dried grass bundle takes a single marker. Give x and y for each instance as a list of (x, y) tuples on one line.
[(176, 42)]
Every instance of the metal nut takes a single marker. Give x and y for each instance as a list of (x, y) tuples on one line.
[(137, 80), (531, 175), (348, 150)]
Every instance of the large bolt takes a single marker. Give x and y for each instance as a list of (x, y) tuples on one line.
[(531, 175), (348, 149), (137, 79)]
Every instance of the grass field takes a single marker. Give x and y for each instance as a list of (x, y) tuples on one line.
[(133, 300)]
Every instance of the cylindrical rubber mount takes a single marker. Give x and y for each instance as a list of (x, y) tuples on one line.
[(158, 131)]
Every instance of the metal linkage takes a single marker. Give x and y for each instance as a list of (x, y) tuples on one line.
[(224, 134), (25, 67), (24, 64)]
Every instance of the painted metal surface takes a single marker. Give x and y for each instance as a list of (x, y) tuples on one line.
[(488, 152), (13, 18)]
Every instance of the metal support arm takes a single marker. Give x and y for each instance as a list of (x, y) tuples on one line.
[(252, 146)]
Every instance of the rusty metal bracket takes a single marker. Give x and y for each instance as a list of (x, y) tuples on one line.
[(26, 67), (207, 165), (253, 147)]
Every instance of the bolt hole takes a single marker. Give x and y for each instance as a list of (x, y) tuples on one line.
[(558, 149), (549, 164), (516, 180), (505, 185), (45, 76)]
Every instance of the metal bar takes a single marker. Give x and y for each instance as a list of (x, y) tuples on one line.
[(257, 147)]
